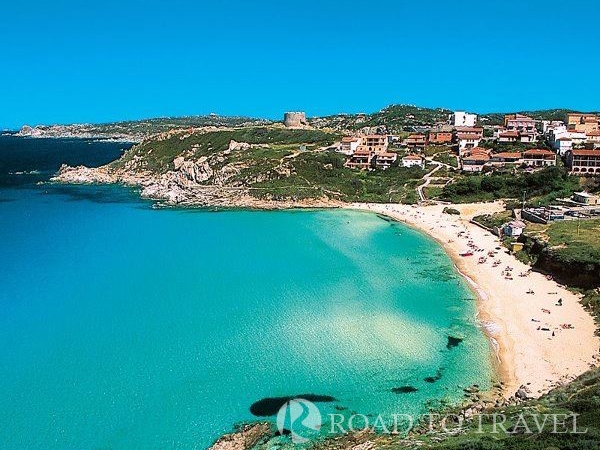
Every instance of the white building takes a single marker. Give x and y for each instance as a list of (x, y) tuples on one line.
[(548, 125), (463, 119), (562, 145), (349, 145), (585, 198), (514, 228), (412, 161), (467, 141), (385, 160)]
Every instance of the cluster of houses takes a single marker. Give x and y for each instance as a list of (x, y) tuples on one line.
[(365, 152), (517, 128), (577, 142), (477, 159)]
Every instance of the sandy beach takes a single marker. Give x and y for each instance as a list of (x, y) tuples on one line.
[(539, 344)]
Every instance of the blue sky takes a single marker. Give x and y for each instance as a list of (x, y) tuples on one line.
[(77, 61)]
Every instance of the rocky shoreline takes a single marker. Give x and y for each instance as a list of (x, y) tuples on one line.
[(263, 436), (182, 187)]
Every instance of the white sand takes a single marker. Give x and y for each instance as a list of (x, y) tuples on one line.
[(527, 356)]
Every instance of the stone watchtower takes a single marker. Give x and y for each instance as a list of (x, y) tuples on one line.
[(295, 119)]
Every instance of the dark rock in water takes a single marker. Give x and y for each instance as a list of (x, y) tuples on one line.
[(284, 432), (270, 406), (437, 377), (473, 389), (453, 342), (404, 389)]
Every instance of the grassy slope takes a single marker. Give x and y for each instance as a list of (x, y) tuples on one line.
[(571, 240), (311, 173), (540, 187), (158, 155)]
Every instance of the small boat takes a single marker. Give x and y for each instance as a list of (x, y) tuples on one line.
[(467, 253)]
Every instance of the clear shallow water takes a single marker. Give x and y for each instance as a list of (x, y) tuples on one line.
[(124, 327)]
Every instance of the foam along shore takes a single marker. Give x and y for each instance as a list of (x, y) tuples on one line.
[(534, 349)]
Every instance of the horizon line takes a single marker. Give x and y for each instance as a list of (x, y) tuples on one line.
[(158, 117)]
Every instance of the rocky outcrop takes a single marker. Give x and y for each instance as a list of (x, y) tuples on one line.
[(192, 172), (245, 438), (582, 274), (190, 183), (234, 146)]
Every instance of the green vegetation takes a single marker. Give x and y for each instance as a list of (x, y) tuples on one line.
[(396, 119), (591, 300), (512, 147), (451, 211), (494, 220), (540, 187), (433, 191), (571, 241), (446, 158), (431, 150), (158, 154), (317, 174)]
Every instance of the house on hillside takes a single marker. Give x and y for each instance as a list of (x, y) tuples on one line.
[(593, 137), (562, 145), (583, 162), (349, 145), (504, 158), (583, 122), (508, 136), (520, 123), (523, 125), (413, 161), (585, 198), (416, 141), (385, 160), (476, 160), (376, 143), (440, 137), (467, 141), (471, 130), (539, 158), (361, 159)]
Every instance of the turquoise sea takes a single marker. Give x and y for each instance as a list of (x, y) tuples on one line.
[(127, 327)]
